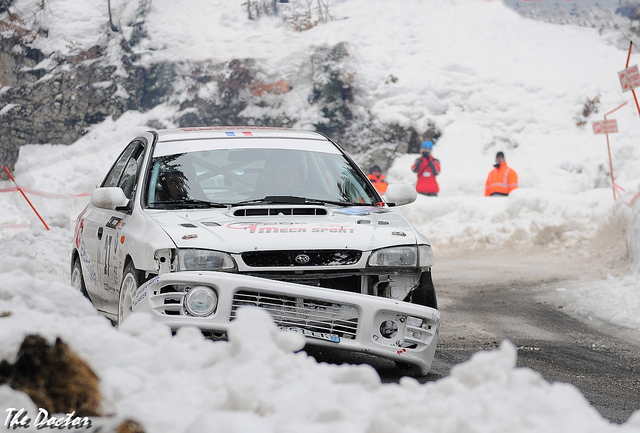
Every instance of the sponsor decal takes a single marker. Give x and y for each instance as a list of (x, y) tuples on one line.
[(146, 285), (79, 227), (340, 229), (114, 222), (267, 228), (139, 299), (143, 290), (226, 128), (88, 267)]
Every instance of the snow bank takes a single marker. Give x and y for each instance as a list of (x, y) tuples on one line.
[(633, 237), (257, 382)]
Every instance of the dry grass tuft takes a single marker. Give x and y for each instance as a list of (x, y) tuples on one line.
[(55, 377), (129, 426)]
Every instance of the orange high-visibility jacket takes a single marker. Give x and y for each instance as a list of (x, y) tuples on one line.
[(501, 180), (378, 182)]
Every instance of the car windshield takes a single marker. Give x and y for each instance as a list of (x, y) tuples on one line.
[(250, 176)]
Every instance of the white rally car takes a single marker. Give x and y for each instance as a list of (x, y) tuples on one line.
[(192, 224)]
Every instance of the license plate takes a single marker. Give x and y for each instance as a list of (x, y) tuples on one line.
[(313, 334)]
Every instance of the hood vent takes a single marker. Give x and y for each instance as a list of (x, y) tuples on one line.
[(210, 224), (269, 211)]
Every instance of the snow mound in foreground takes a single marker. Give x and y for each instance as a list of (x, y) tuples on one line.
[(258, 381)]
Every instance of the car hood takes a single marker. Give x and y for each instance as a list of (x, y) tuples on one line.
[(360, 228)]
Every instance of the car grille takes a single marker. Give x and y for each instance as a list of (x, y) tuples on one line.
[(301, 258), (346, 281), (310, 314)]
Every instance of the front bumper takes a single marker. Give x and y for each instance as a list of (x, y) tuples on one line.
[(403, 332)]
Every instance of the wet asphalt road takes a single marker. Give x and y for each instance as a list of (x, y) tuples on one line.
[(605, 368)]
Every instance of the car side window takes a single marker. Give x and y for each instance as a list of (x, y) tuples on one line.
[(129, 176), (343, 181), (124, 172)]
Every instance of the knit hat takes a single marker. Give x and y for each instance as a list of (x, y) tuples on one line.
[(427, 145)]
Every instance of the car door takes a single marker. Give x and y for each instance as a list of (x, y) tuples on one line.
[(103, 229)]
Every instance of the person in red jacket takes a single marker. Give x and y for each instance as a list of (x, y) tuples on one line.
[(427, 168), (378, 179), (502, 179)]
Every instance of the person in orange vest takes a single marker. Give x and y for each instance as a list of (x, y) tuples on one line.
[(378, 179), (427, 168), (502, 179)]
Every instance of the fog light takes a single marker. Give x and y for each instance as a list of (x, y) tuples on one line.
[(388, 329), (201, 301), (415, 321)]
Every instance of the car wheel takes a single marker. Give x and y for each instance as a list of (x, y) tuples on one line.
[(128, 289), (77, 280)]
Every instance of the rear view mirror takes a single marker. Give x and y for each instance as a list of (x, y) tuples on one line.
[(109, 198), (399, 194)]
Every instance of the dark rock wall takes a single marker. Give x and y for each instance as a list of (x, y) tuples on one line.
[(59, 103)]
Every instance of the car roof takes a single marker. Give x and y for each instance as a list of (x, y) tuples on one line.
[(199, 133)]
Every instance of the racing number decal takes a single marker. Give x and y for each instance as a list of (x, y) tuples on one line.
[(110, 244)]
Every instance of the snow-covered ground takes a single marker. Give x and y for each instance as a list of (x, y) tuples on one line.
[(489, 79)]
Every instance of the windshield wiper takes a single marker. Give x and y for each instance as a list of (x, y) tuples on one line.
[(322, 202), (291, 199), (191, 203)]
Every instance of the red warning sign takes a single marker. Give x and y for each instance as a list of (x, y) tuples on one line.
[(629, 78), (605, 126)]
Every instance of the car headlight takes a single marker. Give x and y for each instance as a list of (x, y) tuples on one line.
[(425, 255), (204, 260), (395, 257), (200, 301)]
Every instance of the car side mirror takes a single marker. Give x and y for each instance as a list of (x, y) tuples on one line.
[(109, 198), (399, 194)]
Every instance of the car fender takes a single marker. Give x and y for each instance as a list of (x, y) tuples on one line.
[(140, 239)]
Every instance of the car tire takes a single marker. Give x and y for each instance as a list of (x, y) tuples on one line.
[(128, 289), (77, 279)]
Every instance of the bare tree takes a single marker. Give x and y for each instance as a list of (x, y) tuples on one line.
[(323, 11), (111, 25)]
